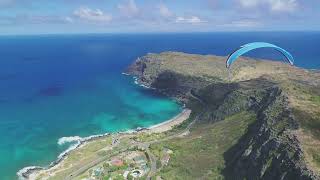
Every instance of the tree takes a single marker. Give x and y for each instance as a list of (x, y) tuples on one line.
[(105, 165), (90, 172)]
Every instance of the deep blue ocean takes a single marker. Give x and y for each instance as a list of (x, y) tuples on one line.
[(54, 86)]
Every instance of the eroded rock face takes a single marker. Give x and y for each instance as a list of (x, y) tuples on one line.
[(176, 85), (137, 68), (269, 149)]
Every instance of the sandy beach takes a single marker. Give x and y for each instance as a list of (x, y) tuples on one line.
[(168, 125)]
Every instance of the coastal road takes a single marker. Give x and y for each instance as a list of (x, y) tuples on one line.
[(153, 164), (146, 145), (84, 168), (89, 165)]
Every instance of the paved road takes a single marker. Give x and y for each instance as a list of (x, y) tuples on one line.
[(153, 164), (84, 168)]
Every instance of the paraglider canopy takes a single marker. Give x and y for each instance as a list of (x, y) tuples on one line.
[(256, 45)]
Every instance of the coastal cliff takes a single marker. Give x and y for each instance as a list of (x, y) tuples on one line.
[(260, 120), (279, 144)]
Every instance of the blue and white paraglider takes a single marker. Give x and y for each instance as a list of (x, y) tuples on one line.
[(256, 45)]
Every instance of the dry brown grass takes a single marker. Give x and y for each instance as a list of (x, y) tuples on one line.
[(311, 146)]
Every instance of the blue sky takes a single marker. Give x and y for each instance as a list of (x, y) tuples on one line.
[(121, 16)]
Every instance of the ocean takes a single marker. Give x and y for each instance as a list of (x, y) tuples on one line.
[(54, 86)]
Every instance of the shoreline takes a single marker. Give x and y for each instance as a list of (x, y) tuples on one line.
[(170, 124), (31, 172)]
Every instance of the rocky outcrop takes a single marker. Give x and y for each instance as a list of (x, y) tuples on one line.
[(269, 149), (173, 84)]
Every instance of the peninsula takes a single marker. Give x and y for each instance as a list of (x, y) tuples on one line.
[(261, 121)]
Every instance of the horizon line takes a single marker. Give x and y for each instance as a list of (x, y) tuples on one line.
[(139, 33)]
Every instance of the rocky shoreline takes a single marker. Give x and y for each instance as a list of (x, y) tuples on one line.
[(30, 172)]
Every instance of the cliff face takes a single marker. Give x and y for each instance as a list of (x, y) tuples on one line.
[(270, 149), (152, 72)]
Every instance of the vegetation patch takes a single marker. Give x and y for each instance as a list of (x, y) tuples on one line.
[(315, 99), (316, 158), (312, 149), (310, 123), (200, 154)]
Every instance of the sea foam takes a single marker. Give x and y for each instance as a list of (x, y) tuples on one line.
[(126, 74), (27, 172), (136, 81), (65, 140)]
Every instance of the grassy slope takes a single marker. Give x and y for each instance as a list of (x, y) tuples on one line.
[(301, 86), (305, 101), (200, 154)]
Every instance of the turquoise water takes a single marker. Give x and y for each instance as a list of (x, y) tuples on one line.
[(33, 128), (71, 85), (46, 95)]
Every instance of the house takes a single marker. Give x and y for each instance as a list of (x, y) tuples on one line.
[(117, 162)]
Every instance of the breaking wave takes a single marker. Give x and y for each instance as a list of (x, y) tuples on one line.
[(65, 140)]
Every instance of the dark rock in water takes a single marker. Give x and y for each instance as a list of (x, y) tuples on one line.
[(142, 116), (51, 91), (3, 100), (141, 129), (7, 76), (32, 60)]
